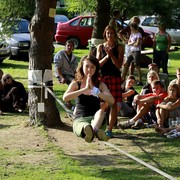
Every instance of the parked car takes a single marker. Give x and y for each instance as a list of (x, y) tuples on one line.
[(4, 50), (19, 41), (79, 30), (151, 23)]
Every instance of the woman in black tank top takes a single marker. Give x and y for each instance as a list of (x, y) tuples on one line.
[(88, 92)]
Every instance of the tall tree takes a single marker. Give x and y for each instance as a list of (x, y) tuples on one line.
[(40, 58), (40, 53), (101, 19)]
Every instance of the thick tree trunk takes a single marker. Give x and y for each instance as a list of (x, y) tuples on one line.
[(101, 21), (40, 58)]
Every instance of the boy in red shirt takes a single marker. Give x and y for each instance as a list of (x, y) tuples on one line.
[(145, 103)]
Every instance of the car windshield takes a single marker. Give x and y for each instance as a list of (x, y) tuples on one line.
[(21, 27), (150, 22)]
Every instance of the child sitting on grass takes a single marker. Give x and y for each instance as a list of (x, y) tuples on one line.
[(128, 93), (145, 103), (177, 80), (169, 107), (151, 76)]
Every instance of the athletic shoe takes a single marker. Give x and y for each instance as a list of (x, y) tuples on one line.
[(109, 134), (89, 135), (138, 124), (172, 136), (124, 125), (101, 135)]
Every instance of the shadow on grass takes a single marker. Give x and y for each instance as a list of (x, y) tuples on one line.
[(14, 66), (2, 126), (64, 127)]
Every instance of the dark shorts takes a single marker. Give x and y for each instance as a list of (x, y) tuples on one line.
[(134, 56), (114, 85)]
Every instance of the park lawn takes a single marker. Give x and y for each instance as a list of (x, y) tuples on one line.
[(157, 150)]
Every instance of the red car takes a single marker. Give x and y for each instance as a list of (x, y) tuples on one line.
[(78, 29)]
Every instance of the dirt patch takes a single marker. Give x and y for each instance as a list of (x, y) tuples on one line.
[(16, 135), (25, 143)]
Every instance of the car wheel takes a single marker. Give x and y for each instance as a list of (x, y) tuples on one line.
[(13, 57), (76, 41)]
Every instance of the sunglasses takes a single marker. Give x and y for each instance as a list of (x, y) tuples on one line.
[(6, 78)]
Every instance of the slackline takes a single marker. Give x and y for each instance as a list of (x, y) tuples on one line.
[(141, 162), (113, 146)]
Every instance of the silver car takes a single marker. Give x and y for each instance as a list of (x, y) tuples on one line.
[(151, 23)]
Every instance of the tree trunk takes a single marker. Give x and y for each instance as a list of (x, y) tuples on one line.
[(101, 21), (40, 58)]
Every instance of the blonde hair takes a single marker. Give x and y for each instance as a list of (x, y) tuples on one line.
[(4, 77), (135, 18), (152, 73), (176, 87)]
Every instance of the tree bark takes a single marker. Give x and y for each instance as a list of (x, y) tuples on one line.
[(40, 58), (101, 20)]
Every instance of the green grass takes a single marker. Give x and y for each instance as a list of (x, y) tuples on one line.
[(145, 144)]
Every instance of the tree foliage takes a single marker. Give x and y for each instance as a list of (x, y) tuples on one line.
[(81, 6), (16, 8), (129, 8), (11, 10)]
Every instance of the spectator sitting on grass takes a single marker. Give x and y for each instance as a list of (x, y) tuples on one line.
[(14, 95), (65, 64), (145, 103), (177, 80), (170, 106), (163, 77), (151, 76), (128, 93)]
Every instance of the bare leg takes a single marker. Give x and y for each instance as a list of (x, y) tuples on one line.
[(124, 71), (96, 125), (112, 116), (163, 130), (161, 115), (144, 110), (139, 73), (98, 119), (131, 69)]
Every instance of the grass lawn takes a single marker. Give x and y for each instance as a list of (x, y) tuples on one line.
[(145, 144)]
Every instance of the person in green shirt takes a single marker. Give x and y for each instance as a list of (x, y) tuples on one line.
[(162, 44)]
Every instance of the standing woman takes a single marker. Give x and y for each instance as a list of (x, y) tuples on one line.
[(88, 92), (162, 44), (110, 56)]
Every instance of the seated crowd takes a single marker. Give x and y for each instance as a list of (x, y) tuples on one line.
[(155, 106)]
